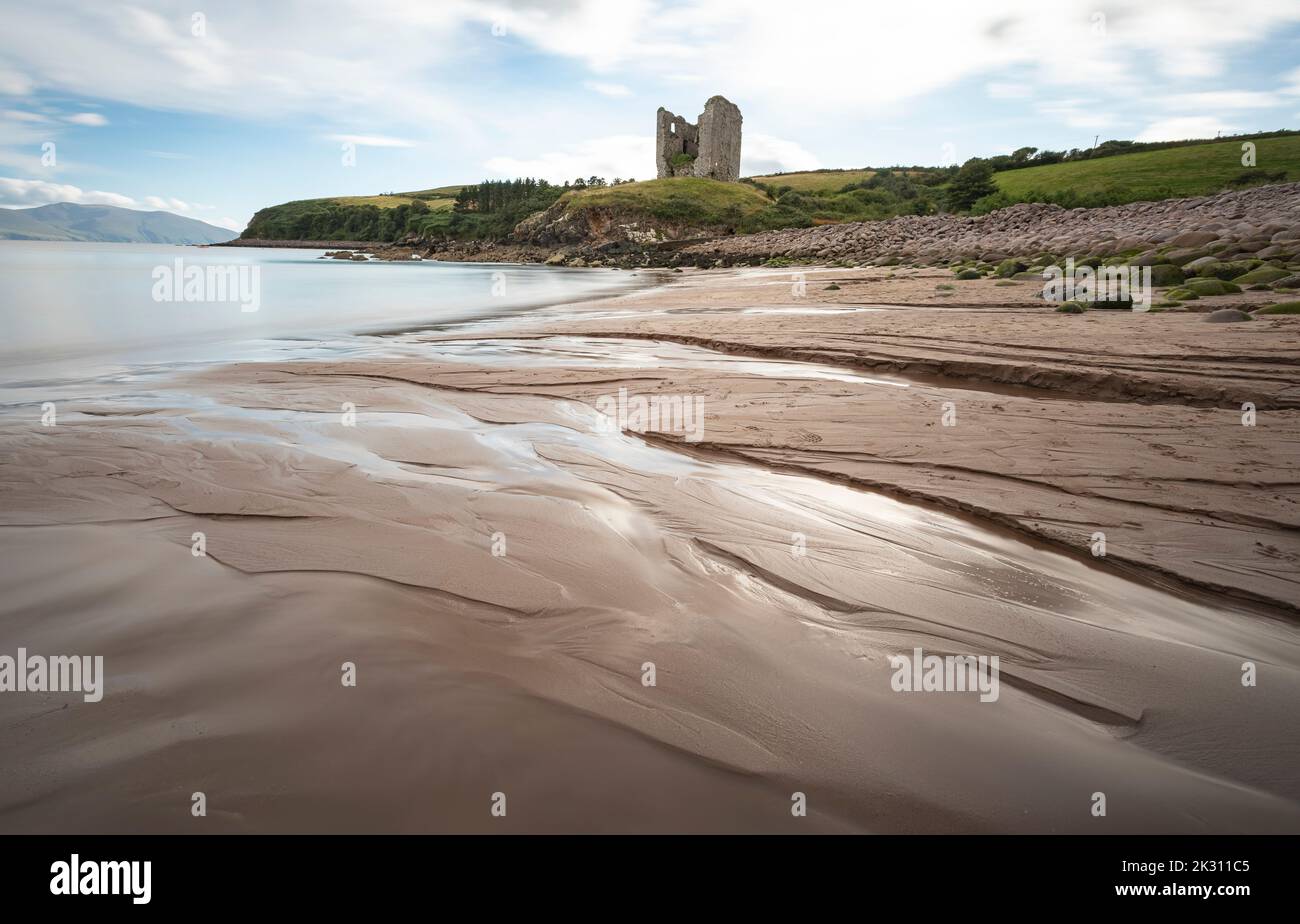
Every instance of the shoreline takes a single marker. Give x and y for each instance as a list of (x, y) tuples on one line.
[(374, 543)]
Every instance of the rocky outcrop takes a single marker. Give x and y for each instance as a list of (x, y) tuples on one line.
[(1233, 225), (618, 228)]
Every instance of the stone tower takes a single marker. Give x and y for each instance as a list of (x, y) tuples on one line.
[(709, 148)]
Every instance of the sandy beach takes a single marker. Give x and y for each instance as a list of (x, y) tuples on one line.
[(879, 467)]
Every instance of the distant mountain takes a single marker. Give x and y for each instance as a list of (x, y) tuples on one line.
[(66, 221)]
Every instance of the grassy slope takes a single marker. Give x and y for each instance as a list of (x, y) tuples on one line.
[(438, 192), (1195, 170), (816, 180), (693, 199), (388, 202)]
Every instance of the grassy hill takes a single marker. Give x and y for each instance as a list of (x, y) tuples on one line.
[(692, 200), (354, 218), (1192, 170), (787, 200)]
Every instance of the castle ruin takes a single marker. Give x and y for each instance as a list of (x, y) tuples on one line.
[(708, 148)]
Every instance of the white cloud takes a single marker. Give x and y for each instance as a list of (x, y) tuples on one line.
[(633, 156), (1222, 100), (623, 156), (165, 204), (764, 154), (1079, 113), (615, 90), (858, 57), (18, 115), (392, 63), (16, 192), (13, 83), (1182, 128), (373, 141), (1002, 90), (405, 62), (86, 118)]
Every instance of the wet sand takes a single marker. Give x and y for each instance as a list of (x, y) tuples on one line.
[(826, 520)]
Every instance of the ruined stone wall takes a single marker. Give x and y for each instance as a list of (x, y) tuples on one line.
[(719, 143), (710, 148), (674, 136)]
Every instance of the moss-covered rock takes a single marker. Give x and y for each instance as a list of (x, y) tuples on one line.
[(1261, 275), (1166, 274), (1009, 267), (970, 274), (1280, 308), (1070, 308), (1182, 295), (1125, 304), (1226, 270), (1211, 287)]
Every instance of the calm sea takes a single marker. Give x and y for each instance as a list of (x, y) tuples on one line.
[(84, 307)]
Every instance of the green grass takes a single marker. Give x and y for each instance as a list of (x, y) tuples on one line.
[(439, 192), (1195, 170), (435, 204), (816, 180), (383, 202), (685, 199)]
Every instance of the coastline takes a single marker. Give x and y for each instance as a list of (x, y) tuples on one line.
[(374, 544)]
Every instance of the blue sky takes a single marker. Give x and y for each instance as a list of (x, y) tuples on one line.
[(215, 112)]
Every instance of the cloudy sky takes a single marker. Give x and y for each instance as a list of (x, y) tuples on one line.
[(213, 109)]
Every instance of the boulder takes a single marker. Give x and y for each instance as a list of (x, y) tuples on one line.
[(1226, 269), (1194, 238), (1166, 274), (1227, 316), (1261, 274), (1210, 287)]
